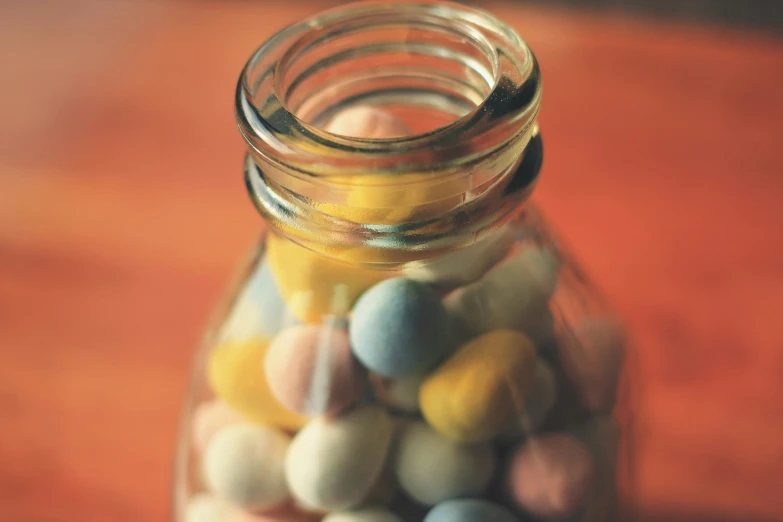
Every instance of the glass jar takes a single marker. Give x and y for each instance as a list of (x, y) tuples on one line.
[(408, 341)]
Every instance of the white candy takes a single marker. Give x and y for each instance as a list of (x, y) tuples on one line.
[(207, 508), (431, 468), (509, 295), (243, 464), (463, 266), (400, 394), (538, 403), (363, 515), (333, 464)]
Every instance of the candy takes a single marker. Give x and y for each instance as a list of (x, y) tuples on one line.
[(592, 356), (509, 295), (477, 393), (244, 464), (209, 418), (462, 266), (205, 507), (469, 510), (399, 394), (538, 403), (332, 465), (383, 200), (310, 369), (431, 468), (367, 122), (236, 375), (551, 476), (312, 284), (259, 312), (400, 328), (363, 515)]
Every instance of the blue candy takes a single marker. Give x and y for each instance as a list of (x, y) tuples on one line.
[(469, 510), (399, 328)]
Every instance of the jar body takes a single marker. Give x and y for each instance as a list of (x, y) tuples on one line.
[(486, 374), (409, 342)]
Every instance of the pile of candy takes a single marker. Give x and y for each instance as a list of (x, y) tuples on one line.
[(442, 392)]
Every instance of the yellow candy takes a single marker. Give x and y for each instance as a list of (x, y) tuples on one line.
[(374, 199), (409, 199), (313, 285), (236, 375), (477, 393)]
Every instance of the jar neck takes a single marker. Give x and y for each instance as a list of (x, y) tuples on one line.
[(436, 61)]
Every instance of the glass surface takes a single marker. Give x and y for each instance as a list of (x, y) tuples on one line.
[(409, 341)]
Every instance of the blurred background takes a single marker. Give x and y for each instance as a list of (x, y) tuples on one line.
[(123, 214)]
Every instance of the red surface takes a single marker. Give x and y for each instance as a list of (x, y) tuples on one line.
[(122, 215)]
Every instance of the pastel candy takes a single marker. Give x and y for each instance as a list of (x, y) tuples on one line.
[(399, 394), (371, 199), (236, 375), (400, 328), (333, 466), (244, 464), (592, 357), (206, 507), (551, 476), (431, 468), (479, 392), (463, 266), (469, 510), (538, 404), (373, 514), (259, 311), (367, 122), (209, 418), (312, 284), (311, 370), (509, 295)]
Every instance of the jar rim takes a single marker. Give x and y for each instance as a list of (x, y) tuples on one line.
[(277, 136)]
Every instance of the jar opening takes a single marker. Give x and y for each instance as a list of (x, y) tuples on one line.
[(426, 71), (463, 82)]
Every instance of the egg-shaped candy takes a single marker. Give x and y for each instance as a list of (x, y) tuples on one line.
[(509, 295), (205, 507), (367, 122), (259, 311), (236, 374), (400, 328), (481, 390), (551, 476), (209, 418), (311, 370), (538, 403), (463, 266), (431, 468), (469, 510), (243, 464), (370, 199), (313, 285), (333, 465), (399, 394), (370, 514), (592, 355)]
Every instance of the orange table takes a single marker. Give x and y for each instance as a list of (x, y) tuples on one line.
[(122, 213)]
